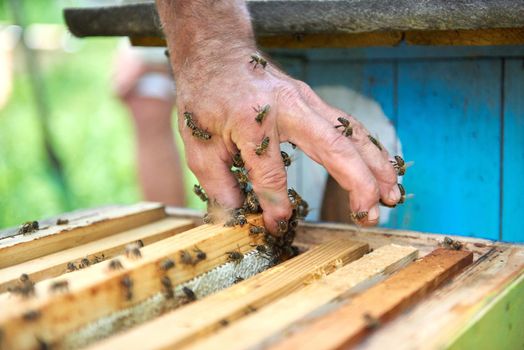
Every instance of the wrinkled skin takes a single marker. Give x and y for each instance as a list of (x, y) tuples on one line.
[(221, 87)]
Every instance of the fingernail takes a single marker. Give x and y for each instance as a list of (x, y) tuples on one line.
[(394, 195), (373, 214)]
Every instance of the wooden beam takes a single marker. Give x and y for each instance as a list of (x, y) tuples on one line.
[(347, 325), (310, 41), (482, 37), (445, 313), (15, 250), (251, 331), (97, 291), (311, 234), (97, 251), (188, 323)]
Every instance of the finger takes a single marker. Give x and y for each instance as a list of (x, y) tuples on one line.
[(267, 174), (326, 145), (375, 155), (211, 164)]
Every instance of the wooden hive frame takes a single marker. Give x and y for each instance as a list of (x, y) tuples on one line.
[(296, 303)]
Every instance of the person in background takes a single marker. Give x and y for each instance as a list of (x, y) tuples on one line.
[(143, 82)]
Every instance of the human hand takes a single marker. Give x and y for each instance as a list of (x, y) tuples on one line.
[(220, 87)]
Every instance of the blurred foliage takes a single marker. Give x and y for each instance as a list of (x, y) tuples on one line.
[(91, 131)]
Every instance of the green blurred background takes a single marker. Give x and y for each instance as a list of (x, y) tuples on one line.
[(89, 128)]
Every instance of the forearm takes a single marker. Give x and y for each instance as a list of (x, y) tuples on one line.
[(201, 32)]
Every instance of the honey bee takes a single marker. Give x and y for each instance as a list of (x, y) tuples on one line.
[(167, 264), (452, 244), (200, 255), (59, 286), (301, 206), (28, 227), (241, 177), (402, 194), (139, 243), (201, 134), (371, 321), (358, 215), (84, 263), (261, 113), (241, 220), (199, 191), (400, 165), (256, 230), (235, 256), (238, 162), (346, 125), (186, 258), (26, 289), (262, 148), (190, 295), (31, 315), (60, 221), (251, 203), (132, 251), (127, 285), (375, 142), (282, 227), (115, 265), (71, 266), (257, 59), (168, 287), (188, 116), (285, 158)]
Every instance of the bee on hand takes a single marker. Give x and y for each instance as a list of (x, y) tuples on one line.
[(261, 113), (257, 59), (199, 191), (262, 148), (346, 125)]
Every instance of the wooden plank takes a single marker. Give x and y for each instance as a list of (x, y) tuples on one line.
[(181, 326), (513, 152), (98, 291), (477, 37), (341, 40), (348, 324), (500, 325), (445, 313), (15, 250), (106, 248), (492, 36), (438, 109), (251, 331), (314, 16)]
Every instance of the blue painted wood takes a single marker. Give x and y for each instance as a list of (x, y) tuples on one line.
[(513, 170), (448, 121)]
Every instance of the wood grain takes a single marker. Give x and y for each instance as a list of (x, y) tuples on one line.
[(96, 291), (18, 249), (359, 316), (193, 321), (55, 264), (281, 314), (446, 313), (477, 37)]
